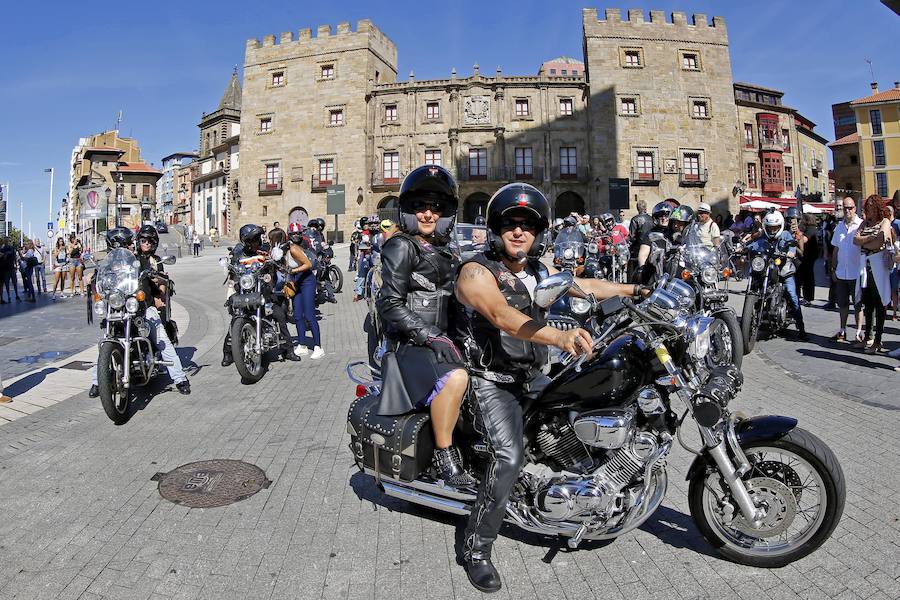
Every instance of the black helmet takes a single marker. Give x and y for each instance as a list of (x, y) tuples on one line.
[(683, 214), (428, 182), (251, 235), (119, 237), (570, 221), (518, 199), (363, 221), (662, 209), (608, 220), (317, 224), (148, 232), (793, 213)]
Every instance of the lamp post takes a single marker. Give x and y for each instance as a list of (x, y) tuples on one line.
[(107, 191)]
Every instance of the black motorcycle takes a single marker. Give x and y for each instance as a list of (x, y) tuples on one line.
[(765, 304), (328, 272), (254, 331), (606, 260), (127, 357), (762, 491)]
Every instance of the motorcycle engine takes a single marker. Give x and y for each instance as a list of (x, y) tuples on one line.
[(558, 441)]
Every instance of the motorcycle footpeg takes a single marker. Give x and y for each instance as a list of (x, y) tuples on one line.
[(165, 363)]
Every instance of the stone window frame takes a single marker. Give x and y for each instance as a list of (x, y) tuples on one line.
[(384, 109), (334, 167), (693, 100), (530, 161), (683, 53), (559, 106), (336, 108), (527, 115), (278, 172), (440, 156), (621, 98), (749, 141), (656, 162), (384, 154), (623, 53), (752, 174), (270, 84), (322, 65), (435, 119), (700, 152), (263, 118)]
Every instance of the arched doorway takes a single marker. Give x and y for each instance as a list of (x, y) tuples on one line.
[(568, 202), (298, 214), (389, 208), (475, 206)]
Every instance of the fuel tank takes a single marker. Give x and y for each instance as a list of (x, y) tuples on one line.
[(608, 380)]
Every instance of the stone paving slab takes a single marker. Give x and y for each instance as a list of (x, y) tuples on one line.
[(88, 521)]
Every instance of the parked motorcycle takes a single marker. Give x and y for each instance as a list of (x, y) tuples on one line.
[(127, 358), (764, 301), (254, 331), (606, 260), (762, 491), (329, 272)]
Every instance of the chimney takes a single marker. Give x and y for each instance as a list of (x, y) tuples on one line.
[(897, 85), (874, 86)]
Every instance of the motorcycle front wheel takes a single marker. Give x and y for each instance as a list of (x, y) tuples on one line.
[(250, 363), (749, 326), (110, 374), (798, 483), (336, 278)]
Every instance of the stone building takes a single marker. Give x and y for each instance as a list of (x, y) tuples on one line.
[(215, 174), (167, 188), (811, 163), (182, 211), (847, 173)]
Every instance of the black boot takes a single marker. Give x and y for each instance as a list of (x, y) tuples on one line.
[(94, 391), (227, 359), (287, 353), (482, 573), (448, 464)]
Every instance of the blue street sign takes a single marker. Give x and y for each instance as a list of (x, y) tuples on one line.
[(49, 226)]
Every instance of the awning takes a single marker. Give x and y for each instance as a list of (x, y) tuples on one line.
[(786, 203)]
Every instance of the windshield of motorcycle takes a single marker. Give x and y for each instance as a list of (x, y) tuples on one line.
[(119, 271), (698, 256), (469, 238)]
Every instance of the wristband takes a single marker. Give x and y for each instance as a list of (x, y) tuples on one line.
[(636, 291)]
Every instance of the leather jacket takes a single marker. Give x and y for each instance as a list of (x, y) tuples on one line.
[(417, 284)]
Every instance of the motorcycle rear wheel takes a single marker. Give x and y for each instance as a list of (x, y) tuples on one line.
[(335, 277), (726, 341), (250, 365), (113, 395), (788, 474), (749, 327)]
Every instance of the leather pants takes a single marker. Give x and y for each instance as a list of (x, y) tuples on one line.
[(498, 419)]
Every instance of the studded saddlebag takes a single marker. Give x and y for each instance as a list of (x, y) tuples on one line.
[(398, 446)]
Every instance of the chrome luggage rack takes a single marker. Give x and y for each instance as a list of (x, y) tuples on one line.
[(363, 374)]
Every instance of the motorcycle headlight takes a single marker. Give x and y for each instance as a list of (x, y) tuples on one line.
[(100, 308), (568, 253), (697, 334), (758, 263), (267, 278), (131, 304), (247, 282), (116, 299), (579, 305), (709, 275)]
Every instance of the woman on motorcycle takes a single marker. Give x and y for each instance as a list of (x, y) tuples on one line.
[(303, 276), (418, 272)]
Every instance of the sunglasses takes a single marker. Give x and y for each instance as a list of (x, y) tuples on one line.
[(432, 205), (148, 240), (850, 207), (526, 225)]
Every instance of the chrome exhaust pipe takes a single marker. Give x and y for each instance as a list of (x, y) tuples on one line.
[(425, 499)]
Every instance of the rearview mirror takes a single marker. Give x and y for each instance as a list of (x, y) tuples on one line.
[(168, 260), (553, 288)]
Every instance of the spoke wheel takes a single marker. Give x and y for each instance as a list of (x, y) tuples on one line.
[(110, 375), (726, 343), (250, 363), (797, 483), (336, 278)]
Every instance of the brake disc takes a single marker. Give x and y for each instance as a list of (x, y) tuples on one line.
[(781, 472), (778, 505)]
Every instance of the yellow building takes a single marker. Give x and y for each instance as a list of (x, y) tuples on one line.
[(878, 126)]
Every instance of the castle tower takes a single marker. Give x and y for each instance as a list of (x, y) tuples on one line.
[(662, 107), (304, 120)]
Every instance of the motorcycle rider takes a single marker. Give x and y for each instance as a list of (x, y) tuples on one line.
[(681, 221), (498, 314), (250, 246), (315, 229), (155, 289), (661, 213), (417, 270), (783, 241), (639, 226)]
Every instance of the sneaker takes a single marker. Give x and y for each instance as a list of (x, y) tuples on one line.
[(301, 350), (839, 337), (317, 353)]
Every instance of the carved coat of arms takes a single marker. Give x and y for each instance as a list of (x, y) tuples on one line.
[(477, 110)]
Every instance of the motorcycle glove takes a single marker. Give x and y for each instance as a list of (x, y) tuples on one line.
[(442, 346)]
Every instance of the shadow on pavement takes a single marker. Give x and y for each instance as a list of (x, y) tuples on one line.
[(27, 383), (846, 358)]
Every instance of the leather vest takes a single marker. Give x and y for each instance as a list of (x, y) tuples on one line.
[(487, 347)]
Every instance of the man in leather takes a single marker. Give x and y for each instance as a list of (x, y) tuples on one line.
[(661, 212), (252, 245), (417, 271), (505, 338)]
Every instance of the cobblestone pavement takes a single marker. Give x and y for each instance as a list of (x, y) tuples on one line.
[(82, 518)]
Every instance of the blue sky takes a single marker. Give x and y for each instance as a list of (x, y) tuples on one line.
[(68, 67)]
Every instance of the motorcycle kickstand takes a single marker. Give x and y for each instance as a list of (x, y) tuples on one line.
[(575, 540)]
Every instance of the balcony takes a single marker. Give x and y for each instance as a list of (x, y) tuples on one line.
[(816, 165), (317, 184), (502, 173), (645, 176), (380, 182), (577, 174), (770, 141), (270, 186), (772, 184), (692, 178)]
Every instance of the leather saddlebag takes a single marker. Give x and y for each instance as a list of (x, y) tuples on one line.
[(399, 447)]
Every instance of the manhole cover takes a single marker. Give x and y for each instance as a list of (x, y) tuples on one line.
[(211, 483), (78, 365)]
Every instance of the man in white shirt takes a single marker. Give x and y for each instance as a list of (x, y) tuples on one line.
[(707, 228), (845, 267)]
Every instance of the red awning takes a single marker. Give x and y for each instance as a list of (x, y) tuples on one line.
[(786, 203)]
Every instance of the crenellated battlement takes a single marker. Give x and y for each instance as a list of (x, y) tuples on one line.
[(325, 39), (636, 25)]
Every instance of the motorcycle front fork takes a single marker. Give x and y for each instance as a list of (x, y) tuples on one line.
[(718, 446)]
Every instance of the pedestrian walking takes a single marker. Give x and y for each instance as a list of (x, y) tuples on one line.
[(301, 259), (8, 270), (40, 273), (895, 270), (196, 243), (76, 265), (27, 261), (874, 237), (845, 270), (214, 236), (60, 266), (363, 265)]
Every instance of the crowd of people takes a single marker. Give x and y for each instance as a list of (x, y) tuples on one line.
[(29, 263)]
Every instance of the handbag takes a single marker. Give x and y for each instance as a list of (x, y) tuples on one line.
[(290, 290)]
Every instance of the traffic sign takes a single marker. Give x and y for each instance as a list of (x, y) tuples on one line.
[(49, 226), (50, 234)]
